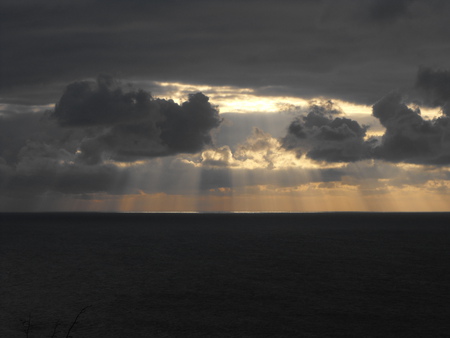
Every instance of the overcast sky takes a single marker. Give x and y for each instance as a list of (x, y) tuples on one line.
[(224, 105)]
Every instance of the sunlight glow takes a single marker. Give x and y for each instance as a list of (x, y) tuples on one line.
[(231, 99), (276, 158), (8, 108)]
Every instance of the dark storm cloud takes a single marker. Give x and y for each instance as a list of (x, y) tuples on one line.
[(133, 124), (353, 50), (408, 137), (434, 85), (102, 103), (325, 137)]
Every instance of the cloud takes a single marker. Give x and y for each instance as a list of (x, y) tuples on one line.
[(98, 131), (102, 102), (24, 134), (236, 128), (37, 155), (434, 87), (387, 10), (260, 150), (324, 137), (408, 137), (218, 157), (316, 48), (78, 147), (128, 125)]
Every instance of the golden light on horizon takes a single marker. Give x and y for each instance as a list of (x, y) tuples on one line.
[(335, 200)]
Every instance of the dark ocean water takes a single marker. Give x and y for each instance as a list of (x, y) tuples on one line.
[(226, 275)]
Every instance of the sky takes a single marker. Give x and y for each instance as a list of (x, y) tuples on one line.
[(224, 106)]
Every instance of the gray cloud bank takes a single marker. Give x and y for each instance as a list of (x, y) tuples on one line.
[(352, 50), (94, 124), (408, 137)]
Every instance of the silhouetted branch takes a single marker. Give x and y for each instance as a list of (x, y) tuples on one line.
[(76, 319), (58, 323)]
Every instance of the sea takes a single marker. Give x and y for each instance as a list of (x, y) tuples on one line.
[(224, 275)]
